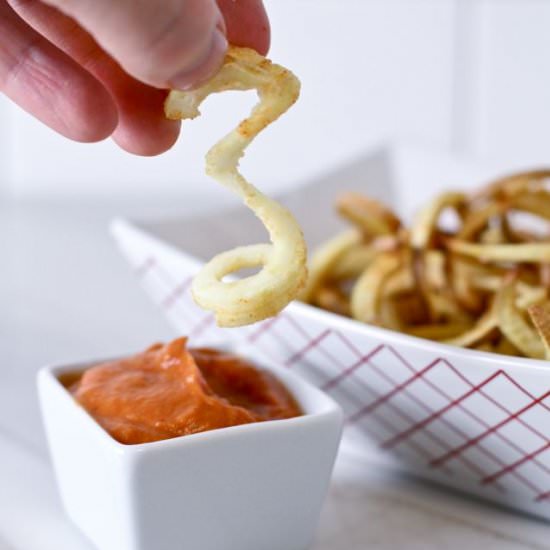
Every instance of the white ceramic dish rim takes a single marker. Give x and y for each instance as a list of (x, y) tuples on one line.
[(294, 383), (438, 348)]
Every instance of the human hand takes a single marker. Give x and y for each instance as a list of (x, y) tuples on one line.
[(90, 69)]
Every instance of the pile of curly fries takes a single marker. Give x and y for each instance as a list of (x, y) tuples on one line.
[(483, 284)]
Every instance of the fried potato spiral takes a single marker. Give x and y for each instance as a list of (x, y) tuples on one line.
[(283, 262)]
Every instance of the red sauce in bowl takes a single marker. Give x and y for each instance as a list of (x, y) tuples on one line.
[(170, 390)]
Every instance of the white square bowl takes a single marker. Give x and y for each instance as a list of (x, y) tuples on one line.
[(252, 487), (473, 421)]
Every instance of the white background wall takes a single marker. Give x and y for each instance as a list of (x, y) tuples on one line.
[(472, 76)]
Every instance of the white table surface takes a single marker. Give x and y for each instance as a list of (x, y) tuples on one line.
[(66, 294)]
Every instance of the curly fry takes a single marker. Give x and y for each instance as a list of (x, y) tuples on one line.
[(540, 316), (426, 221), (367, 292), (514, 326), (326, 257), (528, 252), (482, 284), (283, 262), (368, 215)]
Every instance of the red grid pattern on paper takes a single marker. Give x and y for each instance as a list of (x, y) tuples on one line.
[(370, 407), (365, 411)]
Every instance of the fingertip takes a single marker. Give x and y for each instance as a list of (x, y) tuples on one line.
[(148, 142), (262, 40), (206, 68), (260, 33)]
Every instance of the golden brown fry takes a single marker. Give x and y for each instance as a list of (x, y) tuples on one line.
[(400, 281), (388, 243), (463, 273), (436, 331), (410, 308), (544, 275), (367, 292), (431, 281), (325, 258), (471, 286), (493, 235), (444, 307), (332, 299), (514, 326), (476, 220), (512, 185), (352, 262), (418, 270), (426, 221), (531, 252), (389, 314), (368, 215), (540, 315), (487, 282), (505, 347), (486, 324), (485, 346), (537, 202), (435, 272), (527, 294)]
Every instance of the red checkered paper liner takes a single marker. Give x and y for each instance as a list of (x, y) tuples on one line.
[(473, 421)]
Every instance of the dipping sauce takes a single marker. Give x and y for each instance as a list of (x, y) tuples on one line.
[(170, 390)]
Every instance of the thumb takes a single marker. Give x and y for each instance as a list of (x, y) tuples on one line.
[(164, 43)]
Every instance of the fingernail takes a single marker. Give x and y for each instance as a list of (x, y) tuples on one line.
[(206, 68)]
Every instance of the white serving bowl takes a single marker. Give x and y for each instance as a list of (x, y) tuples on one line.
[(252, 487), (473, 421)]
